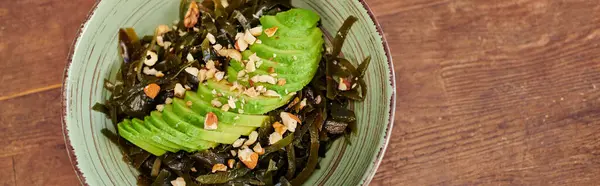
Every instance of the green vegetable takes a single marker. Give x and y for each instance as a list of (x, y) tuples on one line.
[(222, 177)]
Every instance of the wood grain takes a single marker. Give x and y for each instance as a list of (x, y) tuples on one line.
[(489, 92)]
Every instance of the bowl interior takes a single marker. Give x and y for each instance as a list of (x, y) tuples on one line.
[(94, 58)]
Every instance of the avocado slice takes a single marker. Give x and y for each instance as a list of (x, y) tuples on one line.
[(293, 43), (133, 137), (194, 131), (298, 18), (202, 107), (181, 109), (155, 140), (253, 105), (166, 136), (183, 139)]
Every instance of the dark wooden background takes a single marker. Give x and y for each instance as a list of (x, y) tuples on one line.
[(490, 92)]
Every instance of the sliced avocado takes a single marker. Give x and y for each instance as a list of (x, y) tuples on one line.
[(280, 68), (124, 131), (289, 57), (282, 29), (253, 105), (182, 110), (138, 125), (292, 85), (298, 18), (202, 107), (196, 132), (293, 43), (184, 139), (166, 136)]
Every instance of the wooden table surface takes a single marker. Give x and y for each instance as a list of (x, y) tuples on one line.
[(490, 92)]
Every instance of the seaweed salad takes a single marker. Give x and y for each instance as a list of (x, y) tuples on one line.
[(234, 92)]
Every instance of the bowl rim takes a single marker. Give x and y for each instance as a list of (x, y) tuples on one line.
[(365, 180)]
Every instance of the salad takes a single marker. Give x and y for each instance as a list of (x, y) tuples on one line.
[(235, 92)]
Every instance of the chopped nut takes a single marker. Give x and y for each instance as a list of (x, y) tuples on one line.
[(217, 47), (279, 128), (193, 169), (168, 101), (178, 182), (248, 157), (211, 38), (249, 38), (240, 111), (256, 31), (224, 3), (191, 16), (152, 90), (263, 79), (202, 75), (274, 138), (149, 71), (239, 36), (241, 45), (160, 107), (231, 102), (251, 92), (219, 75), (344, 84), (196, 29), (159, 74), (261, 89), (271, 93), (179, 90), (162, 29), (216, 103), (251, 138), (210, 122), (233, 152), (289, 120), (254, 57), (187, 87), (302, 104), (188, 103), (189, 57), (241, 73), (234, 54), (192, 70), (210, 64), (166, 44), (258, 41), (151, 58), (238, 143), (219, 167), (211, 73), (159, 41), (230, 163), (258, 149), (225, 108), (281, 82), (250, 67), (271, 31)]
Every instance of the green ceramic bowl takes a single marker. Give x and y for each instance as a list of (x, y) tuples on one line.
[(94, 57)]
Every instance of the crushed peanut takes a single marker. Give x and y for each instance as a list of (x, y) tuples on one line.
[(251, 138), (271, 31), (210, 122), (219, 167), (152, 90), (191, 16)]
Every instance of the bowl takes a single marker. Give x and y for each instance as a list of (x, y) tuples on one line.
[(94, 57)]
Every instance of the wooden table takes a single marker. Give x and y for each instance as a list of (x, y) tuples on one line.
[(490, 92)]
